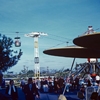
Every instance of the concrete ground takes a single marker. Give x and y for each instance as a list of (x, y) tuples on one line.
[(72, 95)]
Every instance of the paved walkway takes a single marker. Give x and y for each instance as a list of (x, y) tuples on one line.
[(72, 95)]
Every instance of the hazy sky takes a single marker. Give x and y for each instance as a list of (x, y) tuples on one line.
[(62, 20)]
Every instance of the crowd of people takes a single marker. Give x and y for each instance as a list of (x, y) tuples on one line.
[(33, 87), (30, 90)]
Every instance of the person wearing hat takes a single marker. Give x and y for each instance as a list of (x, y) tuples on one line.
[(30, 90)]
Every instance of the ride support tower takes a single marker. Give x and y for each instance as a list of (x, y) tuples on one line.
[(36, 35)]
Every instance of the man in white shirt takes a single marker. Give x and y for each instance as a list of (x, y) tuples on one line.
[(97, 79)]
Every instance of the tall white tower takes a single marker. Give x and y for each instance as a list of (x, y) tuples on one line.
[(36, 35)]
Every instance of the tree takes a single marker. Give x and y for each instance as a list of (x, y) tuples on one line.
[(8, 57), (66, 70), (30, 72), (59, 73), (24, 73)]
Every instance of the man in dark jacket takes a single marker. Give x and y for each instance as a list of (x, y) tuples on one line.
[(61, 84), (30, 90), (72, 82), (11, 90), (77, 82)]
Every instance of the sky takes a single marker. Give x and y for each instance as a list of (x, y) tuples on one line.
[(62, 20)]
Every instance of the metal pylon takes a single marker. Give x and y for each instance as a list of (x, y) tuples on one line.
[(86, 68)]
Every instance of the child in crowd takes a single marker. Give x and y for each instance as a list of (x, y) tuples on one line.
[(82, 89)]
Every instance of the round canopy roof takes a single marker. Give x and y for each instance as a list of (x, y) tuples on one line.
[(76, 52), (88, 41)]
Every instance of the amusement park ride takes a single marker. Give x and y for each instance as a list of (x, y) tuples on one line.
[(36, 35), (86, 46), (17, 42)]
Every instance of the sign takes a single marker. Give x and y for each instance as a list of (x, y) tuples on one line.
[(92, 59)]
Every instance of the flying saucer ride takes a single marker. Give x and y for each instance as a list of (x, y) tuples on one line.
[(88, 48)]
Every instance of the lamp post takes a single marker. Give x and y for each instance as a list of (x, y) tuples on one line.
[(27, 72)]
